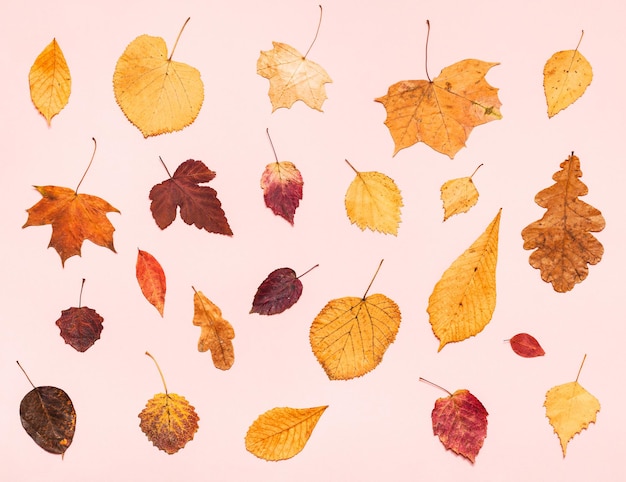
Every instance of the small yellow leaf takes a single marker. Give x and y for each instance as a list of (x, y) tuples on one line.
[(50, 81), (217, 333), (463, 300), (156, 94), (373, 201), (458, 195), (566, 76), (281, 433)]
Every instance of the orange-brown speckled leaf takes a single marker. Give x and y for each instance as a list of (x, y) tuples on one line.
[(216, 334), (151, 278)]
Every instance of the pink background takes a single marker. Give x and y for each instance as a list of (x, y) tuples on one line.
[(376, 427)]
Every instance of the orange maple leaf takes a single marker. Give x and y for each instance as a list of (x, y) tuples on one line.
[(442, 112), (74, 217)]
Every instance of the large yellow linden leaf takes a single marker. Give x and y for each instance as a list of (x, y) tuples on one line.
[(373, 201), (50, 81), (281, 433), (570, 409), (292, 77), (566, 76), (157, 94), (463, 300), (350, 335)]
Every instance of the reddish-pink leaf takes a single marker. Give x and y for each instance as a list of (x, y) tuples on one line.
[(279, 291), (198, 204), (460, 422), (282, 188), (80, 327), (526, 345), (151, 279)]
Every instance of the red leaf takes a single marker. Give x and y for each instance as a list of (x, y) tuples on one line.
[(460, 421), (151, 279), (198, 204), (526, 345), (80, 327), (278, 292), (282, 188)]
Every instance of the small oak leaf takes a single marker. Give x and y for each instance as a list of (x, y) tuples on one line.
[(216, 334)]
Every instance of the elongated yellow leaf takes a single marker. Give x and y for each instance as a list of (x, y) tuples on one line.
[(463, 300), (282, 432), (50, 81), (373, 201)]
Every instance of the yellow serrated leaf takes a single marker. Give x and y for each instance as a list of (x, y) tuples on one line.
[(50, 81), (463, 300), (458, 196), (282, 432)]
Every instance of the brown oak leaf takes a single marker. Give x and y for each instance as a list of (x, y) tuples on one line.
[(217, 333)]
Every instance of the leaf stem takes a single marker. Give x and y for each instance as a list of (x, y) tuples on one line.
[(581, 366), (177, 38), (26, 374), (426, 55), (80, 296), (267, 131), (310, 269), (160, 372), (435, 385), (373, 278), (88, 165), (479, 166), (353, 168), (582, 33), (166, 169), (319, 24)]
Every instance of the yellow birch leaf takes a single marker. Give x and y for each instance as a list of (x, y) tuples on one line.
[(50, 81), (373, 201), (216, 334), (156, 94), (566, 76), (463, 300), (282, 432), (570, 409), (458, 195)]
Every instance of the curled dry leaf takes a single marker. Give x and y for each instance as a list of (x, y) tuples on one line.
[(151, 278), (442, 112), (282, 188), (281, 433), (373, 201), (50, 81), (562, 239), (278, 292), (156, 94), (458, 196), (80, 327), (74, 217), (526, 345), (199, 205), (216, 334), (464, 299)]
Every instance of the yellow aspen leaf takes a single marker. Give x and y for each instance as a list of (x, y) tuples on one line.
[(168, 420), (458, 195), (463, 300), (50, 81), (562, 237), (156, 94), (373, 201), (282, 432), (216, 334), (350, 335), (566, 76), (570, 409)]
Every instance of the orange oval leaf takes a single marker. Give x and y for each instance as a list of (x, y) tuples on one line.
[(151, 278)]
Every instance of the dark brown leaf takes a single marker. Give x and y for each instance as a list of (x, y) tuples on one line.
[(80, 327), (278, 292)]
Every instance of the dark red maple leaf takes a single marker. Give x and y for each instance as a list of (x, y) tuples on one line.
[(278, 292), (526, 345), (80, 327), (199, 205)]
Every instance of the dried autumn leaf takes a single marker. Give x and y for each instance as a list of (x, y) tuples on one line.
[(566, 76), (526, 345), (458, 195), (570, 409), (74, 217), (50, 81), (282, 188), (199, 205), (463, 300), (151, 278), (442, 112), (350, 335), (373, 201), (80, 327), (562, 239), (216, 333), (168, 420), (156, 94), (282, 432), (278, 292)]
